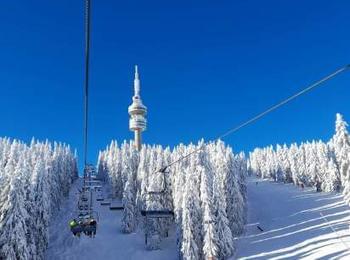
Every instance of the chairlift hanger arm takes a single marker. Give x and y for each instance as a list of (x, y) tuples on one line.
[(163, 170)]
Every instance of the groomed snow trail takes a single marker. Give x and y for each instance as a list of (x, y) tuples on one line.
[(109, 242), (296, 223)]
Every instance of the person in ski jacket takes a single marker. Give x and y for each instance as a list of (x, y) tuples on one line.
[(73, 224), (93, 224)]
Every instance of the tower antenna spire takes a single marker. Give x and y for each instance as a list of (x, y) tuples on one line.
[(137, 83), (136, 72)]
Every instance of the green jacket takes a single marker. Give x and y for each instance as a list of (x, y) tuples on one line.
[(73, 224)]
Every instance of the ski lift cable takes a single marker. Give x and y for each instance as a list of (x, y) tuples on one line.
[(87, 171), (86, 87), (85, 210), (264, 113)]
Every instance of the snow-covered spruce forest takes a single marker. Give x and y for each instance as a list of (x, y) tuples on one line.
[(322, 165), (206, 191), (33, 180)]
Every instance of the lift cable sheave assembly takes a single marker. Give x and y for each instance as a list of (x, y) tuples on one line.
[(264, 113)]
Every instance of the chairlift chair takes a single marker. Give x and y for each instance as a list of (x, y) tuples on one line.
[(83, 207), (155, 213), (93, 182), (84, 198), (86, 222), (116, 205), (152, 195)]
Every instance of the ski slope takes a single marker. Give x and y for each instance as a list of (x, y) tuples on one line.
[(297, 224), (109, 242)]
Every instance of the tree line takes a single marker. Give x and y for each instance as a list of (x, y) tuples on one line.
[(206, 192), (323, 165)]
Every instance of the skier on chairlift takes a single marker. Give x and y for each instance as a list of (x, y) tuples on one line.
[(92, 224), (73, 226)]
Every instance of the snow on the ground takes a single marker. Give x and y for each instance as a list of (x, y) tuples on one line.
[(109, 242), (297, 224)]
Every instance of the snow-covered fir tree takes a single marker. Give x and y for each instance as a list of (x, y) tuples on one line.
[(128, 224), (191, 218), (340, 145), (226, 247)]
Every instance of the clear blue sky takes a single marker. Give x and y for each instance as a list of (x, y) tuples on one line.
[(205, 66)]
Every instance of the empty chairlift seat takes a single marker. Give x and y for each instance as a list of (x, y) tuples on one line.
[(116, 205), (105, 203), (157, 213), (83, 198), (157, 195), (82, 207), (99, 197), (93, 183)]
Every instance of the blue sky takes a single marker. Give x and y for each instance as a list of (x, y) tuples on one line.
[(205, 67)]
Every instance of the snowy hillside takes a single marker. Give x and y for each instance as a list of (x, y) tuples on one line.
[(33, 181), (310, 225), (296, 223)]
